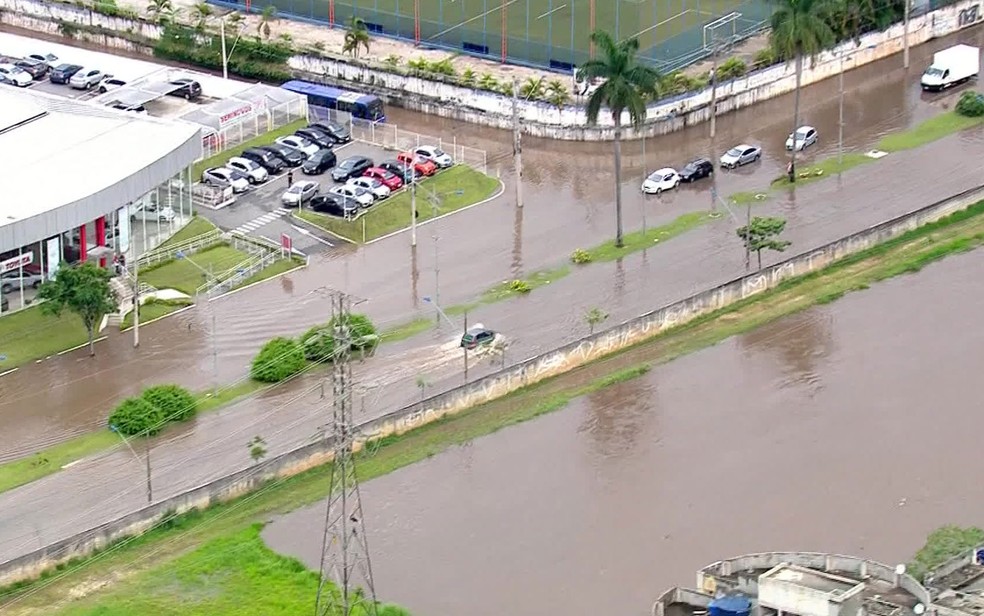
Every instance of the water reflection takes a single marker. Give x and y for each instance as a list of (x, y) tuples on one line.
[(618, 416), (798, 344)]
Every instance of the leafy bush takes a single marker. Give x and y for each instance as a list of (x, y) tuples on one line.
[(175, 403), (580, 256), (441, 67), (520, 286), (264, 61), (469, 77), (488, 82), (765, 57), (971, 104), (361, 329), (279, 359), (136, 416), (318, 343), (943, 544), (418, 65), (679, 83), (731, 68)]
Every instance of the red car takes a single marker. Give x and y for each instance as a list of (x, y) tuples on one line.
[(420, 164), (388, 178)]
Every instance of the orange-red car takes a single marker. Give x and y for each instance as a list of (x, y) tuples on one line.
[(420, 164)]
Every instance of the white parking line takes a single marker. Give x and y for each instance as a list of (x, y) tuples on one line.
[(260, 221)]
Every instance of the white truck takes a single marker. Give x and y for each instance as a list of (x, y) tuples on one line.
[(951, 66)]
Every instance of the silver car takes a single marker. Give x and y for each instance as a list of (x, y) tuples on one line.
[(12, 281), (741, 155), (302, 191), (86, 79)]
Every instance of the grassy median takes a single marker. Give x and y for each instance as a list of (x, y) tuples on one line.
[(116, 575), (446, 192)]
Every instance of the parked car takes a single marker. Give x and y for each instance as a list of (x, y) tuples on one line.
[(151, 213), (49, 59), (660, 180), (317, 137), (376, 188), (696, 169), (111, 83), (221, 177), (12, 281), (351, 167), (63, 73), (15, 75), (405, 172), (477, 336), (299, 193), (35, 68), (86, 78), (188, 89), (319, 162), (420, 165), (740, 155), (805, 137), (360, 195), (268, 160), (298, 143), (334, 205), (334, 130), (290, 156), (435, 155), (254, 172), (388, 178)]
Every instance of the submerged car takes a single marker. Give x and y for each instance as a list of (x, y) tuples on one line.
[(696, 169), (805, 136), (477, 336), (660, 180), (740, 155)]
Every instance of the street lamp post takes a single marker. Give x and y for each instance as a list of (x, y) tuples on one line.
[(150, 488), (226, 56)]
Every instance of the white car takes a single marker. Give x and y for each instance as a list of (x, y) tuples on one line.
[(255, 174), (221, 177), (301, 144), (48, 58), (299, 193), (805, 137), (436, 155), (362, 196), (86, 79), (15, 75), (660, 180), (740, 155), (110, 83), (374, 186), (153, 214)]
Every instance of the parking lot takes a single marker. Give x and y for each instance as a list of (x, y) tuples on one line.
[(259, 212)]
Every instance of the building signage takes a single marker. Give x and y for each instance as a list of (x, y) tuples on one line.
[(245, 110), (16, 262), (53, 256), (969, 16)]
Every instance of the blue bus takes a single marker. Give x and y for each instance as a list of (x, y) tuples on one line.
[(364, 106)]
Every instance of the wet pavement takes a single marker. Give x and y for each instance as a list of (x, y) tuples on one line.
[(824, 431), (567, 195)]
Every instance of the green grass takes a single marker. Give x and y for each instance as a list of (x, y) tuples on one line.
[(228, 394), (51, 459), (187, 274), (943, 544), (28, 334), (639, 240), (195, 227), (406, 330), (155, 551), (275, 269), (155, 309), (265, 139), (507, 289), (393, 214)]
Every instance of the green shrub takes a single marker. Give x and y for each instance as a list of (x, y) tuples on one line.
[(318, 343), (580, 256), (943, 544), (261, 60), (680, 83), (279, 359), (441, 67), (971, 104), (469, 77), (176, 403), (520, 286), (731, 69), (361, 329), (765, 57), (136, 416)]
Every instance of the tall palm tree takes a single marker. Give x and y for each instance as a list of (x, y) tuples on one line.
[(356, 36), (159, 9), (267, 17), (626, 86), (201, 13), (799, 30)]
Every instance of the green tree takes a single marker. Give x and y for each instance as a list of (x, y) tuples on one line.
[(201, 13), (532, 88), (800, 29), (595, 317), (136, 416), (279, 359), (557, 94), (84, 290), (159, 9), (356, 36), (763, 234), (626, 86), (267, 17), (257, 449), (175, 402)]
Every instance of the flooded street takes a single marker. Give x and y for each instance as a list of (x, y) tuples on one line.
[(569, 195), (829, 430)]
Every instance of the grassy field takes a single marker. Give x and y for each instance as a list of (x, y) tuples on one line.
[(186, 275), (195, 227), (267, 138), (27, 334), (119, 577), (457, 188), (154, 309)]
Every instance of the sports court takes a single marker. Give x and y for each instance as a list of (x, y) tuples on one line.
[(543, 33)]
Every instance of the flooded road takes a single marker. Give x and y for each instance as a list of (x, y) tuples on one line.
[(830, 430), (568, 195)]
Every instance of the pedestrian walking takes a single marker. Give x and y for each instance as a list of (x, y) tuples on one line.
[(290, 178), (791, 172)]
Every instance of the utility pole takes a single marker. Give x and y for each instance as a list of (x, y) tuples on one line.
[(905, 36), (150, 488), (136, 302), (215, 354), (344, 551), (437, 279), (465, 331), (517, 143), (408, 172), (840, 120), (225, 56), (714, 90), (748, 231)]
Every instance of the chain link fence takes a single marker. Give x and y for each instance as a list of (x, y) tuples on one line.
[(392, 137)]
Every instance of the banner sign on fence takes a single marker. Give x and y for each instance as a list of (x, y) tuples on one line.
[(286, 244), (16, 262)]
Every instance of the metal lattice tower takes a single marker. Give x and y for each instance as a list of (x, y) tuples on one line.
[(344, 550)]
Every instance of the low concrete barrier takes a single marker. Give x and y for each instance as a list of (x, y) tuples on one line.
[(496, 385)]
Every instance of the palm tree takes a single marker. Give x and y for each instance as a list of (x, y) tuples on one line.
[(627, 85), (201, 13), (557, 94), (799, 29), (356, 36), (268, 16), (159, 9)]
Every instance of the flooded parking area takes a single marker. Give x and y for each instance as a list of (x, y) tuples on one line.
[(846, 428)]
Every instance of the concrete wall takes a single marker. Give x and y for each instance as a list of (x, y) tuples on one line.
[(503, 382), (437, 97)]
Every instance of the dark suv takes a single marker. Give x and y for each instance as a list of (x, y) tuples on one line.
[(189, 90), (318, 137), (351, 167), (290, 156), (63, 72), (696, 169), (268, 160), (320, 161), (476, 337), (334, 130)]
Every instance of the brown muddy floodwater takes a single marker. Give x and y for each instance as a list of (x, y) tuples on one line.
[(849, 428)]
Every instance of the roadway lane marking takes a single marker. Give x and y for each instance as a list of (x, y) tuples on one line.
[(312, 236), (256, 223)]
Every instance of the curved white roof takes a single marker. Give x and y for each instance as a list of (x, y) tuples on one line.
[(65, 162)]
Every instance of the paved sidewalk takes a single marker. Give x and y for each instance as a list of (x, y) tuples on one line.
[(107, 486)]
